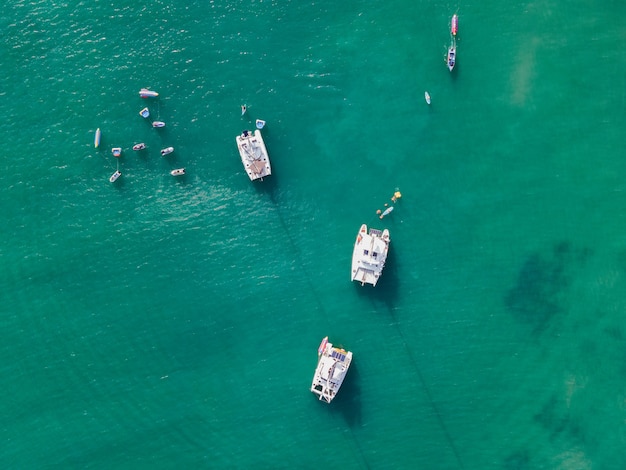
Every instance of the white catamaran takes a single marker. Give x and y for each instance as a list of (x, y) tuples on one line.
[(369, 255), (254, 155), (332, 367)]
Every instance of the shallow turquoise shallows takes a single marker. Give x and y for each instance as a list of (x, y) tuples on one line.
[(160, 322)]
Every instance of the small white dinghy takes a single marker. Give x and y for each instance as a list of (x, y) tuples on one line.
[(427, 97), (167, 151), (178, 172), (117, 152), (145, 93), (158, 124), (96, 139), (144, 113), (260, 124), (115, 176), (140, 146)]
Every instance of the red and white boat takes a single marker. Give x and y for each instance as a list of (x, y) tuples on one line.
[(320, 350), (454, 25)]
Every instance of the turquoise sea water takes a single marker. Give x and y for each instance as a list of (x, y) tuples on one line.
[(162, 322)]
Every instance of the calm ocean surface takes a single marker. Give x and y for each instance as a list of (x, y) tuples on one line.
[(173, 323)]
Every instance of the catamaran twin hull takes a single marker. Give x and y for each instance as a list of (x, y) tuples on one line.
[(254, 156), (369, 255), (332, 367)]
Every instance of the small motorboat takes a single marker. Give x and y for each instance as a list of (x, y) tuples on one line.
[(243, 109), (427, 97), (454, 25), (96, 140), (167, 151), (144, 113), (177, 172), (158, 124), (140, 146), (117, 152), (145, 93), (451, 60), (260, 124), (115, 176)]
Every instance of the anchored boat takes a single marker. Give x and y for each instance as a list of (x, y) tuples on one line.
[(145, 93), (451, 60), (96, 140), (254, 155), (332, 366), (369, 255), (115, 176)]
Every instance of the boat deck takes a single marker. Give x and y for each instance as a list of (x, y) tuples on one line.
[(254, 155)]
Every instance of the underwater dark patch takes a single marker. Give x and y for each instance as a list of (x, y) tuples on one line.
[(519, 460), (551, 418), (541, 285)]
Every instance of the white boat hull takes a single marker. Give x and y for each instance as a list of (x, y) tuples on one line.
[(115, 176), (96, 140), (451, 58), (145, 93), (369, 255), (331, 370), (254, 156)]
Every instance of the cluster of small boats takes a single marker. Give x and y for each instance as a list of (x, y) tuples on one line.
[(450, 57), (117, 151)]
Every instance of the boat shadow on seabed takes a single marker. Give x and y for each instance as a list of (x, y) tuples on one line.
[(348, 400)]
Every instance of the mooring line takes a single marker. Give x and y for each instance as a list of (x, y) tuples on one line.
[(433, 405)]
